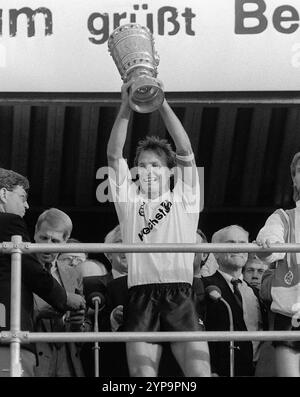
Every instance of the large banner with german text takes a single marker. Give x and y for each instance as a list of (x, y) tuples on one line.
[(204, 45)]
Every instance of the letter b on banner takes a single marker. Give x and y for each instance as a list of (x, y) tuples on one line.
[(257, 15)]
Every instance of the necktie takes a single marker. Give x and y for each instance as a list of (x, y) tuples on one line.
[(48, 266), (236, 292)]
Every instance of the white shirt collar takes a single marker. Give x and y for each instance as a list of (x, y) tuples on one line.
[(228, 277)]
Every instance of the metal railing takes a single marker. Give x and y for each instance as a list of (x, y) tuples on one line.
[(15, 336)]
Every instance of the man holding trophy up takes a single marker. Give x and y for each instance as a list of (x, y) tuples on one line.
[(160, 284)]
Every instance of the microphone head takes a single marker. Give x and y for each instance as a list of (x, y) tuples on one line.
[(213, 292), (93, 287), (93, 284), (91, 300)]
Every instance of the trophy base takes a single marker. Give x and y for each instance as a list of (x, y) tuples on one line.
[(146, 95)]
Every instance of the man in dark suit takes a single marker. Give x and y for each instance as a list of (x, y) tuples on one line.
[(244, 304), (58, 359), (13, 204)]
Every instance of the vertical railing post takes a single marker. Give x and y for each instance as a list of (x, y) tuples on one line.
[(15, 307), (96, 329)]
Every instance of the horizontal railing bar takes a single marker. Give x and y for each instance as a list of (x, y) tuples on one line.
[(8, 247), (28, 337)]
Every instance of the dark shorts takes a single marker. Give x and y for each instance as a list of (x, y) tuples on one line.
[(161, 307), (284, 323)]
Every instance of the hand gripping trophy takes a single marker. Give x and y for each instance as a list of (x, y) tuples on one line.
[(132, 49)]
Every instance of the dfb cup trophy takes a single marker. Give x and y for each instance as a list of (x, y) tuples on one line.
[(132, 49)]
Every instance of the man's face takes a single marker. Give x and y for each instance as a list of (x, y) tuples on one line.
[(253, 273), (154, 175), (72, 258), (233, 261), (16, 201), (47, 235)]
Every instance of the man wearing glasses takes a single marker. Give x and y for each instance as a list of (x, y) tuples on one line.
[(72, 258)]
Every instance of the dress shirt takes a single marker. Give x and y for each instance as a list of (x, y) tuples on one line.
[(54, 272)]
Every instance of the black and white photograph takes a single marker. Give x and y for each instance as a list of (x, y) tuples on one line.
[(149, 192)]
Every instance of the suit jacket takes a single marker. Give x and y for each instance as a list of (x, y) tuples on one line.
[(71, 281), (217, 319), (114, 353), (116, 294), (34, 279)]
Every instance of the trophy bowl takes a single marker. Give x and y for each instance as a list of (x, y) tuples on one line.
[(132, 49)]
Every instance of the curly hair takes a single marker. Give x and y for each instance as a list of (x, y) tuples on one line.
[(10, 180), (159, 146)]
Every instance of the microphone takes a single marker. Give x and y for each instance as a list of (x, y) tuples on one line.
[(93, 297), (94, 290), (213, 292)]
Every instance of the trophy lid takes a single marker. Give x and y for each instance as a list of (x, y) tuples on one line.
[(126, 29)]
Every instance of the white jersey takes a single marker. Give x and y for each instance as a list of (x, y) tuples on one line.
[(171, 218)]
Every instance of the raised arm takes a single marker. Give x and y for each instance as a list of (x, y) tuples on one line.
[(182, 143), (118, 137), (176, 130)]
